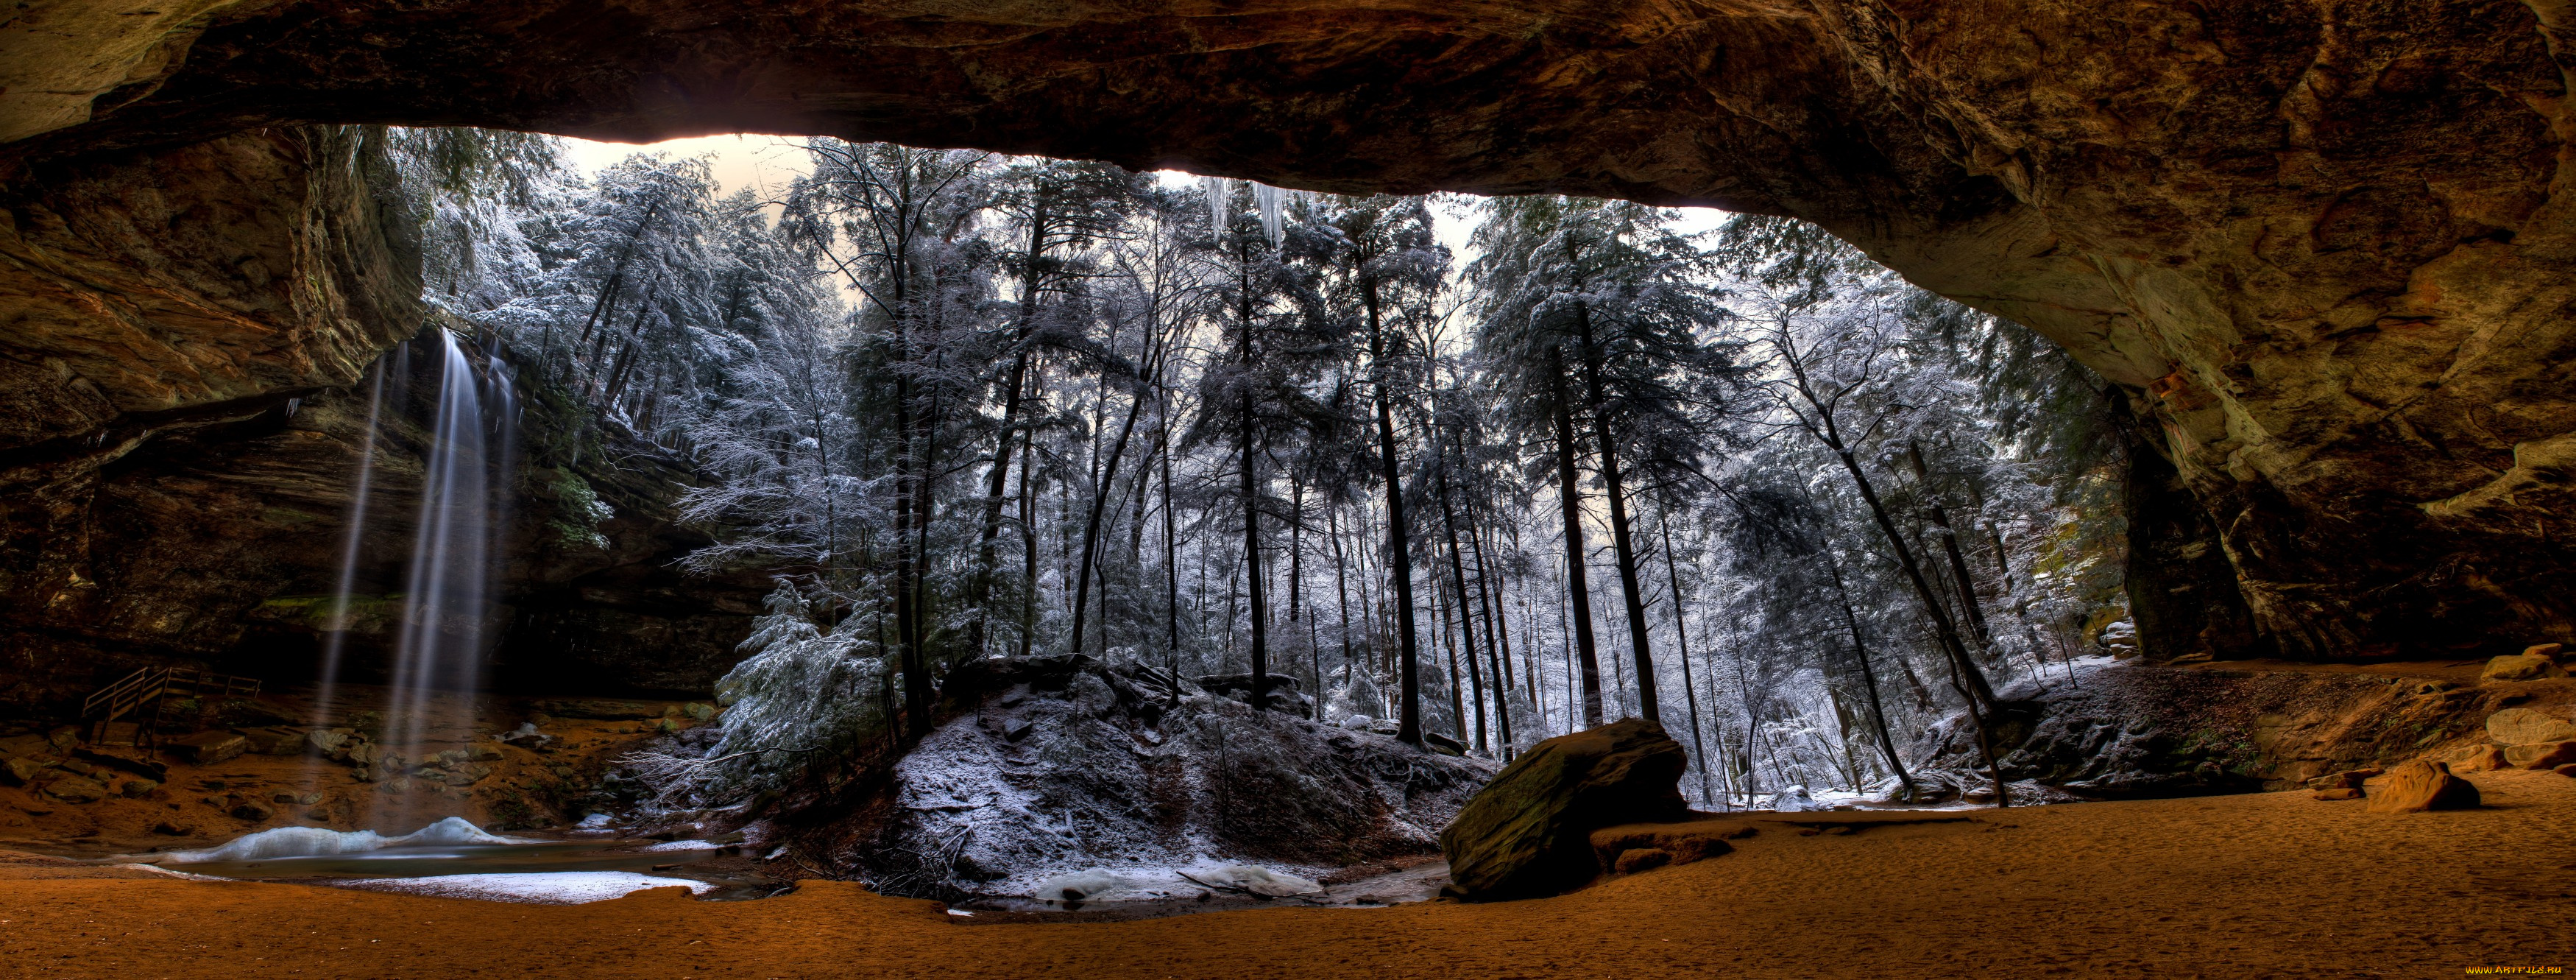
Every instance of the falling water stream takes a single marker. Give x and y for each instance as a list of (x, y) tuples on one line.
[(336, 627), (447, 587)]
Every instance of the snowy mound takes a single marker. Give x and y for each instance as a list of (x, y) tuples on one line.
[(286, 842), (1069, 775), (542, 888)]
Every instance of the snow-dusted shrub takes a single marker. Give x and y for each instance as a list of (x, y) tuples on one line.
[(804, 693)]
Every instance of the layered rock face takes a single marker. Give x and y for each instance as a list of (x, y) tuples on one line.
[(184, 393), (222, 543), (2325, 248)]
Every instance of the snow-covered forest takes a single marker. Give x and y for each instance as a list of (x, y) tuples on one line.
[(960, 405)]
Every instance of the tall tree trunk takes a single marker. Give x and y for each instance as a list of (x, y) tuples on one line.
[(1408, 726), (1466, 614), (1490, 602), (1869, 680), (1620, 543), (1341, 590), (1171, 545), (996, 483), (1028, 543), (1448, 642), (1681, 641), (1091, 524), (1252, 554), (1940, 516), (1968, 677), (1577, 590)]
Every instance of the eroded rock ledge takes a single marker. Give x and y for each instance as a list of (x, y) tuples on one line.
[(2323, 248)]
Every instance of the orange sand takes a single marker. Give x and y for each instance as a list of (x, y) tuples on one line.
[(2246, 886)]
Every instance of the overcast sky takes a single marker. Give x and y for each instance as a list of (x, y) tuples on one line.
[(766, 164)]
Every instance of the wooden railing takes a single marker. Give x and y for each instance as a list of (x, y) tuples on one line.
[(155, 685)]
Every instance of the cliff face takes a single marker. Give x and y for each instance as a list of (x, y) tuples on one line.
[(2326, 247), (185, 409), (222, 544)]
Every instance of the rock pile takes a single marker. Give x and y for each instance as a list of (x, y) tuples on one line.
[(2520, 738), (53, 765)]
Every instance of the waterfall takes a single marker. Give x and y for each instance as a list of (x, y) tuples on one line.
[(336, 626), (450, 579)]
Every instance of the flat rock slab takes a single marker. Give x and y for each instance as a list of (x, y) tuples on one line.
[(207, 748), (2526, 726)]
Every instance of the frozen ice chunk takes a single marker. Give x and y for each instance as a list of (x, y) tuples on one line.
[(1795, 800), (1257, 880), (540, 888), (284, 842), (1097, 884)]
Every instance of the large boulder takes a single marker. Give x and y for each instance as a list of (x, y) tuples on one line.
[(2525, 726), (2418, 786), (2546, 755), (2520, 667), (2481, 758), (1528, 833)]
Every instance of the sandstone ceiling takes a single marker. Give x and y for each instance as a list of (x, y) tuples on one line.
[(2325, 245)]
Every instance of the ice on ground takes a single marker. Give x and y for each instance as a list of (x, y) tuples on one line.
[(285, 842), (1795, 800), (158, 870), (539, 888), (1137, 884), (1095, 885), (1257, 880), (685, 845)]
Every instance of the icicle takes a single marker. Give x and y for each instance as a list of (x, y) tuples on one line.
[(1273, 218), (1217, 188)]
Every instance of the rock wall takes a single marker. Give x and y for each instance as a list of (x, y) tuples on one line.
[(2132, 729), (183, 404), (220, 543), (2326, 247)]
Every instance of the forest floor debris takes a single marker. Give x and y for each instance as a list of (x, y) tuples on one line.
[(2140, 888)]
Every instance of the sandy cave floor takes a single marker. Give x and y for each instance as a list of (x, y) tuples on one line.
[(2265, 885)]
